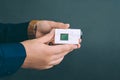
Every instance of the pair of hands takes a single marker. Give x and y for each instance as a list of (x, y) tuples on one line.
[(41, 55)]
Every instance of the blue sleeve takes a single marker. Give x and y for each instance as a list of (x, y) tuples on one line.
[(10, 33), (12, 53), (11, 58)]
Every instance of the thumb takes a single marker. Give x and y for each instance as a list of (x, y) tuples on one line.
[(48, 37), (58, 25)]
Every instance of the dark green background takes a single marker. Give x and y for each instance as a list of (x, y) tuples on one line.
[(99, 56)]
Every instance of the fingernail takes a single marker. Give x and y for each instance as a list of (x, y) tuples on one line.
[(68, 25)]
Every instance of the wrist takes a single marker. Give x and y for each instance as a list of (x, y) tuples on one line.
[(32, 29), (26, 61)]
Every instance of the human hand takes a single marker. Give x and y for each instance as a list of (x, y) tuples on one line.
[(42, 56), (42, 27)]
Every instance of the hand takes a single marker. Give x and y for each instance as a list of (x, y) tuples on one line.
[(43, 56), (44, 27)]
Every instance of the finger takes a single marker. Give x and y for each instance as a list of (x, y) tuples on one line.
[(62, 48), (60, 55), (39, 34), (80, 40), (78, 45), (56, 62), (59, 25), (48, 67), (48, 37)]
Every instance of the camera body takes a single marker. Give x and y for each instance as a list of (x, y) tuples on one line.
[(67, 36)]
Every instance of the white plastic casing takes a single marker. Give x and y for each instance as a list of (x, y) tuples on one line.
[(73, 36)]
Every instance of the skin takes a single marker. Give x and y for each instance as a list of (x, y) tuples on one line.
[(40, 55), (44, 27)]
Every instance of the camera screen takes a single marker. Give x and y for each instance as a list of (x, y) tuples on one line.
[(64, 36)]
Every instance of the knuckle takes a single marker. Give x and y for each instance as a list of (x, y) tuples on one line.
[(48, 67), (58, 62), (46, 62), (49, 60)]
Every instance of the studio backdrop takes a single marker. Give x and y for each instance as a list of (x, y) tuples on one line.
[(99, 56)]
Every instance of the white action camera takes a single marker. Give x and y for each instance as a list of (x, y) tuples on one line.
[(67, 36)]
